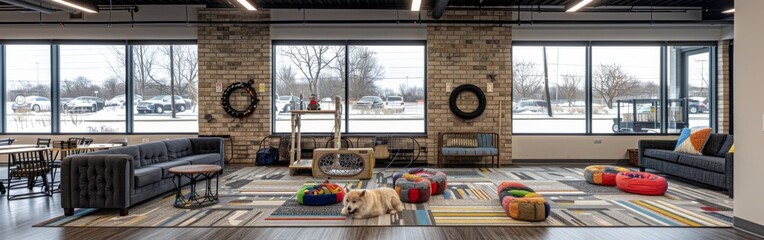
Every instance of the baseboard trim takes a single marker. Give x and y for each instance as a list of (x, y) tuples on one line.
[(572, 161), (748, 226)]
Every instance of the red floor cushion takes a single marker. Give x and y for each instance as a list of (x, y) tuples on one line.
[(412, 188), (641, 183), (603, 174)]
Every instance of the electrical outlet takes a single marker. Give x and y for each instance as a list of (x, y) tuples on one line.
[(448, 87), (145, 140), (597, 141), (489, 87)]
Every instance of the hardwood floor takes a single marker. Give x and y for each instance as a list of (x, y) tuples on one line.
[(17, 218)]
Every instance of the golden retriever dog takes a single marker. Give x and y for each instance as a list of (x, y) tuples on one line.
[(371, 203)]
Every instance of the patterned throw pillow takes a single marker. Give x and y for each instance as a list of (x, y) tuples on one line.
[(692, 140), (462, 141), (732, 149)]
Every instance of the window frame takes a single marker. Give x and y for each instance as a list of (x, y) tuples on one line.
[(56, 81), (346, 110), (664, 45)]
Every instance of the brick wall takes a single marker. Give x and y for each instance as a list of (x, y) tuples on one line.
[(460, 54), (723, 87), (231, 53), (457, 54)]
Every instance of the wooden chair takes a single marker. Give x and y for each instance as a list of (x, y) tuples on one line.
[(30, 166), (7, 141)]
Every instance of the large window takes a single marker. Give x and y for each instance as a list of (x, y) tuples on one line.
[(92, 76), (77, 87), (612, 88), (554, 106), (165, 86), (27, 82), (382, 86)]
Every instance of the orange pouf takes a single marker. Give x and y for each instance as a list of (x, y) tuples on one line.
[(641, 183)]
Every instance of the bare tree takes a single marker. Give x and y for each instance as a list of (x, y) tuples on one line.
[(286, 78), (364, 71), (569, 87), (611, 81), (311, 61), (411, 93), (526, 82)]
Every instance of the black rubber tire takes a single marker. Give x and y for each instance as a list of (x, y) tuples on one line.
[(455, 95)]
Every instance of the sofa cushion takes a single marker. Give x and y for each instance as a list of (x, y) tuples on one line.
[(146, 176), (178, 148), (151, 153), (727, 147), (130, 150), (661, 154), (469, 151), (209, 158), (714, 144), (710, 163), (165, 166)]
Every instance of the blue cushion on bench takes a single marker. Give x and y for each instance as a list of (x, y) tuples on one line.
[(484, 151), (485, 140)]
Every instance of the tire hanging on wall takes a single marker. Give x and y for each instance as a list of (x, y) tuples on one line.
[(455, 95), (253, 100)]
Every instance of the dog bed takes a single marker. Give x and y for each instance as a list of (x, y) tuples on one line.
[(522, 203), (438, 179), (322, 194), (412, 188), (602, 174), (641, 183)]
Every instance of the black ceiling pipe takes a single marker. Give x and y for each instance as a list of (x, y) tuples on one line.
[(351, 22), (29, 6), (439, 9)]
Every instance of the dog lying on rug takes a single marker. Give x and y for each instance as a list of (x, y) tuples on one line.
[(371, 203)]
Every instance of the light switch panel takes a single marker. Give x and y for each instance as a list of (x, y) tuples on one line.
[(218, 86), (261, 87), (448, 87), (489, 87)]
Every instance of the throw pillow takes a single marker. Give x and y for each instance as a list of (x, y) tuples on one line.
[(462, 141), (732, 149), (692, 140)]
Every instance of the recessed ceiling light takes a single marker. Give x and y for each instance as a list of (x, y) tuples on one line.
[(248, 5), (571, 7), (729, 11), (416, 5), (82, 6)]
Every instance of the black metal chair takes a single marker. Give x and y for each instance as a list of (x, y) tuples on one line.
[(122, 141), (86, 141), (6, 141), (43, 142), (28, 165)]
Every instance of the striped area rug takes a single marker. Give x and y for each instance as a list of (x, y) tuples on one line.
[(265, 196)]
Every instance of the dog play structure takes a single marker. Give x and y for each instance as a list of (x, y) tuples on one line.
[(334, 162)]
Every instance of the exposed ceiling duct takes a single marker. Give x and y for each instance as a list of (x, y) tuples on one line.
[(29, 6), (439, 9)]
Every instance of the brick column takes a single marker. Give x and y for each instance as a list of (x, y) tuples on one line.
[(723, 87), (231, 53), (465, 54)]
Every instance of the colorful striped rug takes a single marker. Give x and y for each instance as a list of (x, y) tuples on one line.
[(265, 196)]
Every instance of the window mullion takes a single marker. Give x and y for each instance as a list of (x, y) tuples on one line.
[(55, 113)]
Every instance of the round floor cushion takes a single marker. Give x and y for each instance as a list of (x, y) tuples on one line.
[(412, 188), (641, 183), (322, 194), (438, 179), (603, 174), (522, 203)]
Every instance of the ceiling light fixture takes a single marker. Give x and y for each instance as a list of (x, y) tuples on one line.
[(729, 11), (416, 5), (572, 6), (248, 5), (79, 5)]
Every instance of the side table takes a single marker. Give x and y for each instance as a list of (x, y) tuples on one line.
[(194, 173)]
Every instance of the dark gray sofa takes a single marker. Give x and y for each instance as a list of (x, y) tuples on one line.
[(119, 178), (714, 167)]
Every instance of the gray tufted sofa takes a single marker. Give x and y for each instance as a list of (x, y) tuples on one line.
[(122, 177)]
